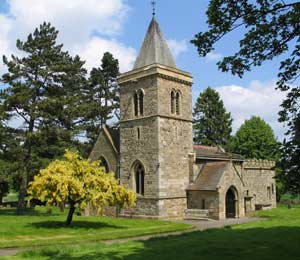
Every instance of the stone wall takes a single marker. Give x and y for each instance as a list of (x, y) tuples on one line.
[(175, 146), (145, 208), (127, 90), (172, 208), (208, 199), (259, 178), (144, 150), (165, 87)]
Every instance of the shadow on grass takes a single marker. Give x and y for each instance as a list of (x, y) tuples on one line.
[(27, 212), (243, 244), (74, 225)]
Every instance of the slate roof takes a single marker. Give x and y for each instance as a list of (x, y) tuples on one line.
[(209, 177), (210, 152), (154, 49)]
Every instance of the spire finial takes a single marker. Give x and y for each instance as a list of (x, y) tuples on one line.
[(153, 3)]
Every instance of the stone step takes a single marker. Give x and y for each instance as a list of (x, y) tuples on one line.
[(196, 218)]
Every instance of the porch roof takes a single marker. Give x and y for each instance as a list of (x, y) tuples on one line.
[(209, 177)]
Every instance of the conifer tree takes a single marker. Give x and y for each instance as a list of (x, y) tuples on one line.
[(102, 95), (44, 91), (212, 124)]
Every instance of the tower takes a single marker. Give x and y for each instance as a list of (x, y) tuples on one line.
[(156, 129)]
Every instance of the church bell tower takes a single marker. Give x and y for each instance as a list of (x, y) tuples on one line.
[(156, 130)]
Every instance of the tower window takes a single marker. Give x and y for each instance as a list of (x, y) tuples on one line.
[(139, 179), (141, 102), (173, 102), (138, 103), (177, 103), (104, 164)]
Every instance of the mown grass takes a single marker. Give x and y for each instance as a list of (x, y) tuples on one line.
[(278, 237), (38, 228), (11, 197)]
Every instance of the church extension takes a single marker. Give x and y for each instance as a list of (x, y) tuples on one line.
[(152, 151)]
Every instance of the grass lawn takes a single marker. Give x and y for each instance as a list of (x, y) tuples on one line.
[(39, 228), (275, 238), (11, 197)]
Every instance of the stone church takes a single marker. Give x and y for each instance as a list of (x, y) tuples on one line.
[(152, 150)]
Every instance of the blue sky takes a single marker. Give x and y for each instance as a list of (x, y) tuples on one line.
[(91, 27)]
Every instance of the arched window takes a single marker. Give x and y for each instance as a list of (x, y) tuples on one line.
[(104, 164), (141, 102), (136, 104), (139, 173), (173, 102), (177, 103)]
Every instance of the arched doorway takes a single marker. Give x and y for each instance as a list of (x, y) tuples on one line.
[(231, 203)]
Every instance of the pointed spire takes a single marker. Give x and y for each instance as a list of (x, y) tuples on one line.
[(154, 49)]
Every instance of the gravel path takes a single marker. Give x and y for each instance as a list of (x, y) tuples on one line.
[(204, 225), (8, 252), (200, 225)]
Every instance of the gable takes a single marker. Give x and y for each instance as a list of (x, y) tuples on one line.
[(106, 147)]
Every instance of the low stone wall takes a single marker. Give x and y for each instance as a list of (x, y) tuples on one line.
[(156, 208), (145, 208)]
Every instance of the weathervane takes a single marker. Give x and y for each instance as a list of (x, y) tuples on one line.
[(153, 3)]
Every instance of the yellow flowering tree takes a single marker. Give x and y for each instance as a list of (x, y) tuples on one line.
[(79, 182)]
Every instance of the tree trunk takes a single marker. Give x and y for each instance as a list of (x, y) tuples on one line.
[(70, 214), (27, 168), (22, 194)]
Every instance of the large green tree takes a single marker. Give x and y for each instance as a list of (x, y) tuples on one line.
[(102, 95), (272, 28), (212, 124), (255, 139), (44, 92)]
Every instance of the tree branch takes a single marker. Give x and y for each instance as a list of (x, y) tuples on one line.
[(21, 115)]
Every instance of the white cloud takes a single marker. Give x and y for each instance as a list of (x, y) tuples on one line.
[(177, 47), (81, 23), (259, 99), (93, 51), (5, 26), (213, 56)]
